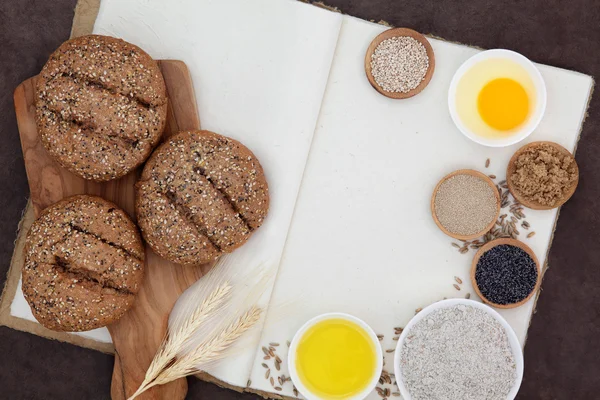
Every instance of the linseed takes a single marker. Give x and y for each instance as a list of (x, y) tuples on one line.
[(506, 274)]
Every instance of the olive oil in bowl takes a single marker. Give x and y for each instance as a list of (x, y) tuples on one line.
[(335, 356)]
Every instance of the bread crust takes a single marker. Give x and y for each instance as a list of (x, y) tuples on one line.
[(200, 195), (84, 264), (101, 106)]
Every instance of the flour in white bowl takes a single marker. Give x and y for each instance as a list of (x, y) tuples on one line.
[(458, 353)]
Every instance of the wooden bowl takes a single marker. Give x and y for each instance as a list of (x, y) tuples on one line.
[(390, 33), (510, 170), (478, 174), (511, 242)]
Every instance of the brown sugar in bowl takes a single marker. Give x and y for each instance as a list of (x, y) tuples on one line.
[(511, 242), (477, 174), (398, 32), (510, 170)]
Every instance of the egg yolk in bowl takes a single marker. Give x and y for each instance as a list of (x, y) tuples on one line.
[(495, 98), (503, 104)]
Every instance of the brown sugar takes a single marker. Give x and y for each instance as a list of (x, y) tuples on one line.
[(543, 174)]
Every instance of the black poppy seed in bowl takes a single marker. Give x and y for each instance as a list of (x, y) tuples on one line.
[(506, 274)]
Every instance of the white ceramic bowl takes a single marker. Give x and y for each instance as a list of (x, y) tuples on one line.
[(294, 346), (535, 116), (512, 339)]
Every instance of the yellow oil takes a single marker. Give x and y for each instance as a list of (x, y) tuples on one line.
[(503, 104), (335, 359)]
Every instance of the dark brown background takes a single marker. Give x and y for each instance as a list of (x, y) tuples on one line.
[(562, 355)]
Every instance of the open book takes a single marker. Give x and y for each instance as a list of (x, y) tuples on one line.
[(350, 171)]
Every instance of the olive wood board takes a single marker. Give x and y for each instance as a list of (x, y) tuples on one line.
[(137, 335)]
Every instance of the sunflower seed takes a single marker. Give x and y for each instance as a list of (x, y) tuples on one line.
[(487, 163), (456, 286), (458, 280), (272, 381), (380, 337), (264, 349), (278, 388), (274, 344), (267, 374), (389, 350), (249, 383), (264, 365), (418, 310), (277, 365), (455, 245), (531, 234), (295, 392), (396, 338), (492, 176), (468, 296)]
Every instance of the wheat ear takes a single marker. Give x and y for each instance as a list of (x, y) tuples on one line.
[(175, 339), (211, 350)]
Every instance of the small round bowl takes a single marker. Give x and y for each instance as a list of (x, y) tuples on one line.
[(471, 172), (511, 242), (294, 346), (533, 120), (510, 170), (512, 339), (390, 33)]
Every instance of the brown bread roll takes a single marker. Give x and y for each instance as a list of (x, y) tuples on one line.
[(200, 195), (101, 106), (84, 263)]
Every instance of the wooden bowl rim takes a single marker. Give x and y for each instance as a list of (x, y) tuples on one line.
[(511, 242), (478, 174), (510, 169), (394, 32)]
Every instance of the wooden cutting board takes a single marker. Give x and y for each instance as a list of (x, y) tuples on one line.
[(137, 335)]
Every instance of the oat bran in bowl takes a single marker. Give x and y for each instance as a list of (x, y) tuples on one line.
[(465, 204)]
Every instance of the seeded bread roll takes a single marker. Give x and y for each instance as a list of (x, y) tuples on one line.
[(84, 262), (200, 195), (101, 106)]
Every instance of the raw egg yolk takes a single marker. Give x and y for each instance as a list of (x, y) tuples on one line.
[(503, 104), (335, 359)]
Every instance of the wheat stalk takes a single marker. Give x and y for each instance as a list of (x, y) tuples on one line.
[(210, 350), (177, 338)]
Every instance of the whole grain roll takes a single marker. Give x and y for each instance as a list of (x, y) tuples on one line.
[(200, 195), (84, 263), (101, 106)]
